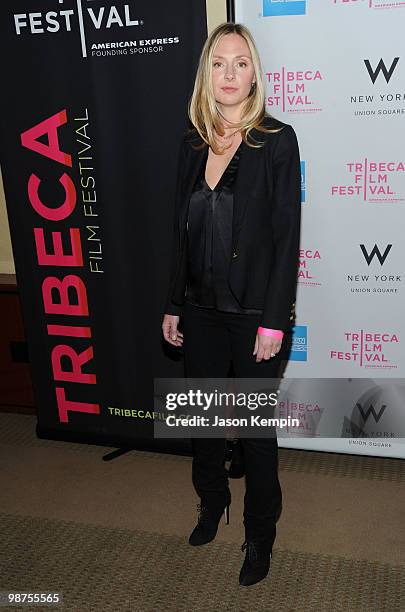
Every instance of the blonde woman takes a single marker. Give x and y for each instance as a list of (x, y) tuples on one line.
[(234, 269)]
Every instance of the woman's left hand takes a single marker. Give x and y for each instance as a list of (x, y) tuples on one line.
[(266, 347)]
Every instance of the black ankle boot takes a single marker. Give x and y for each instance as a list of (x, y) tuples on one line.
[(207, 525), (237, 467), (257, 562)]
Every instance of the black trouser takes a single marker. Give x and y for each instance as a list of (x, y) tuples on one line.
[(212, 339)]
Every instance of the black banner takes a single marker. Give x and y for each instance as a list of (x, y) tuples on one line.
[(94, 105)]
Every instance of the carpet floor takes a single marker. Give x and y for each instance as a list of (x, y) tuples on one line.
[(112, 536)]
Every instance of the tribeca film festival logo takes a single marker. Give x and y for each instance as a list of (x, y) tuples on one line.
[(292, 91), (371, 180), (377, 279), (303, 417), (371, 4), (307, 267), (379, 101), (89, 21), (368, 349), (272, 8)]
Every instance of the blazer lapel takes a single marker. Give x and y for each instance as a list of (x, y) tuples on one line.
[(245, 180), (196, 161), (244, 183)]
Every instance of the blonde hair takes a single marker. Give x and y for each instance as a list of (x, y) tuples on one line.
[(202, 108)]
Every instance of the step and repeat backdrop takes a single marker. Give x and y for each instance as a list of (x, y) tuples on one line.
[(94, 106), (335, 71)]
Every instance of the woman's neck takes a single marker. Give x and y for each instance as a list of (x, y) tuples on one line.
[(231, 115)]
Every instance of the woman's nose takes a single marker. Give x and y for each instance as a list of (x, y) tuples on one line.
[(229, 74)]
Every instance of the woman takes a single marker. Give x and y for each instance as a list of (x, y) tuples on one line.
[(234, 269)]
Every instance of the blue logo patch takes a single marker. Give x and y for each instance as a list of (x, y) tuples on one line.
[(299, 348), (302, 181), (283, 7)]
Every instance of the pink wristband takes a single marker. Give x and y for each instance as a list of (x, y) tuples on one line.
[(275, 333)]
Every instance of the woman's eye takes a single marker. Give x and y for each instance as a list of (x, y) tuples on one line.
[(243, 64)]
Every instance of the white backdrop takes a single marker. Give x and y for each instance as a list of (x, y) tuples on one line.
[(335, 70)]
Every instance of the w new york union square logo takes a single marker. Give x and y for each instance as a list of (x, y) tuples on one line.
[(283, 7)]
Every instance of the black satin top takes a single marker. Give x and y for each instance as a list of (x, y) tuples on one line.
[(209, 242)]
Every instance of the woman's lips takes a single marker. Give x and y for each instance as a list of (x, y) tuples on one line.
[(229, 89)]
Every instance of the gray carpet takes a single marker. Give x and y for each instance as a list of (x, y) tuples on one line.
[(113, 535), (97, 568)]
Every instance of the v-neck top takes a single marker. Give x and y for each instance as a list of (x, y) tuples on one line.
[(209, 241)]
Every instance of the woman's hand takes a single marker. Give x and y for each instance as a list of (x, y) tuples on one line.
[(170, 331), (266, 347)]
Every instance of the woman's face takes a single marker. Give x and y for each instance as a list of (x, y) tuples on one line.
[(232, 70)]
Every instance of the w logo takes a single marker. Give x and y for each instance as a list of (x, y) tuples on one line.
[(381, 67), (376, 251), (370, 410)]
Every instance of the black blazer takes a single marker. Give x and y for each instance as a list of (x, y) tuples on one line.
[(265, 228)]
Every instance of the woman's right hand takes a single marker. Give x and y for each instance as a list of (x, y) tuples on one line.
[(170, 331)]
